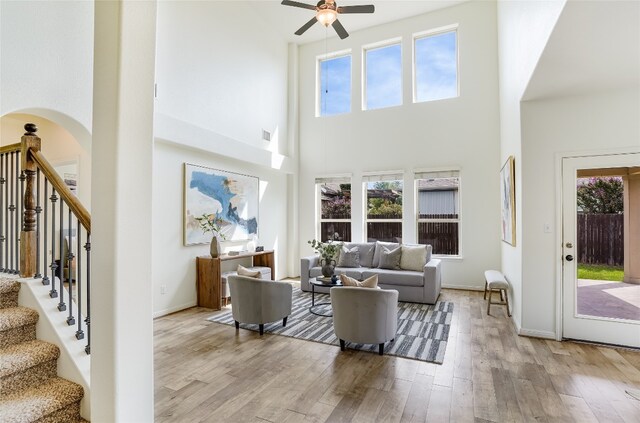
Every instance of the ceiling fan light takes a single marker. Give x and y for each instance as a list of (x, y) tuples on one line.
[(326, 16)]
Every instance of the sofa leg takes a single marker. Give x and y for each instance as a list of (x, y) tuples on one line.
[(284, 321), (261, 329), (381, 349), (237, 325), (342, 348)]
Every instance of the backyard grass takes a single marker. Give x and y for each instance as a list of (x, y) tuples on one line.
[(600, 272)]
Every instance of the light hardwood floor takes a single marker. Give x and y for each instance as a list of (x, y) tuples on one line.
[(211, 372)]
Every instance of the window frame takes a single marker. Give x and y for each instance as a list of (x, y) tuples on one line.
[(363, 78), (319, 60), (430, 33), (444, 173), (336, 179), (383, 176)]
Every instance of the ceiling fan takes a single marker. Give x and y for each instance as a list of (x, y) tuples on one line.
[(327, 14)]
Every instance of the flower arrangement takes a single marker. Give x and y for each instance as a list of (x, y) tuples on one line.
[(327, 250), (211, 223)]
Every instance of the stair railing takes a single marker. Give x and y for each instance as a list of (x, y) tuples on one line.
[(63, 218), (10, 200)]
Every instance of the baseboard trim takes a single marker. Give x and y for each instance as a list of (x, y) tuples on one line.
[(463, 287), (537, 333), (170, 310)]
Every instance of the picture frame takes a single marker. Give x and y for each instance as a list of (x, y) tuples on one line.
[(232, 197), (508, 201)]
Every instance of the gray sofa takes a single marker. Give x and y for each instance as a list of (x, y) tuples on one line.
[(412, 286)]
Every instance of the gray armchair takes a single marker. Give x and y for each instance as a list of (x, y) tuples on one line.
[(257, 301), (364, 315)]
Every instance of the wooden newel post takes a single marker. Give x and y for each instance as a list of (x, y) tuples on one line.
[(30, 142)]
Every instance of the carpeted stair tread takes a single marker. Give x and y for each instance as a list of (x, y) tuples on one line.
[(8, 285), (32, 404), (14, 317), (9, 290), (20, 357)]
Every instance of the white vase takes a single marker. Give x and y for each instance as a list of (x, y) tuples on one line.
[(215, 248)]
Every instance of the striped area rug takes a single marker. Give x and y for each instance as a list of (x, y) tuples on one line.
[(422, 329)]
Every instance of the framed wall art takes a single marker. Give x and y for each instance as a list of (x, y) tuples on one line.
[(508, 201), (232, 197)]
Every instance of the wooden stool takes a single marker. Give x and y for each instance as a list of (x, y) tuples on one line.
[(495, 281)]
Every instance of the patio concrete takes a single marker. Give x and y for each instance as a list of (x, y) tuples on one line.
[(617, 300)]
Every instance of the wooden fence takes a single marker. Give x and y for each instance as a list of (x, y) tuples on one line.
[(442, 236), (600, 239)]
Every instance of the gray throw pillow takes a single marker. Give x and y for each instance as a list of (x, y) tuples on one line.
[(366, 252), (349, 257), (390, 259), (378, 250)]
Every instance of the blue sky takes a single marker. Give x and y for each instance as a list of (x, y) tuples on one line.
[(436, 67), (384, 77), (436, 75), (335, 86)]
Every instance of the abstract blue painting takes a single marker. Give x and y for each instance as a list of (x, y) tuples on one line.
[(232, 197)]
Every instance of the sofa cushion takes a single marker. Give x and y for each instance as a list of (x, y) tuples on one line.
[(314, 272), (396, 277), (351, 271), (370, 282), (349, 257), (365, 250), (414, 257), (378, 251), (390, 258)]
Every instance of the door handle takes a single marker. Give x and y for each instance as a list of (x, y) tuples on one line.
[(569, 257)]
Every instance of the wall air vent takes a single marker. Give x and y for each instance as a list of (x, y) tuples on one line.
[(266, 135)]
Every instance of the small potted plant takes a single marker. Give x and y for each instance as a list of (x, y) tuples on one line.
[(212, 223), (328, 254)]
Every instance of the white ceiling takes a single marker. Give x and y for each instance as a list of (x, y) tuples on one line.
[(595, 46), (287, 19)]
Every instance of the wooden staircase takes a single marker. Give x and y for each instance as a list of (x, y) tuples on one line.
[(30, 390)]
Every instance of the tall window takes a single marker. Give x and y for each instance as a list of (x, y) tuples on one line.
[(435, 66), (438, 204), (383, 76), (384, 207), (334, 200), (335, 85)]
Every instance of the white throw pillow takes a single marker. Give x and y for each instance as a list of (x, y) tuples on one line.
[(370, 282), (243, 271), (414, 257)]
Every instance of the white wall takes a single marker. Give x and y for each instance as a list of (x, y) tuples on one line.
[(175, 264), (46, 61), (223, 69), (584, 124), (222, 77), (122, 328), (523, 30), (461, 132)]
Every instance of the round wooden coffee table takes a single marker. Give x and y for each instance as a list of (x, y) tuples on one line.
[(324, 282)]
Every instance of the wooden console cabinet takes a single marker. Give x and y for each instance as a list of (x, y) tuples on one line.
[(209, 284)]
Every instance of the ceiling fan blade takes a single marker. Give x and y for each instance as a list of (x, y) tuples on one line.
[(342, 33), (306, 26), (369, 8), (298, 4)]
